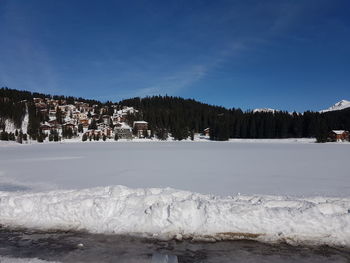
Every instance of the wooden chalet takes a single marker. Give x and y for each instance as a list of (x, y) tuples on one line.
[(140, 128), (84, 122), (338, 136)]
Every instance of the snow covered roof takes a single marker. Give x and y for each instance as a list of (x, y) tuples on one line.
[(126, 110), (140, 122), (68, 123), (339, 132), (123, 125)]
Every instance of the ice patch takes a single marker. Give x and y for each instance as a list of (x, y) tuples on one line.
[(164, 258), (23, 260), (13, 185)]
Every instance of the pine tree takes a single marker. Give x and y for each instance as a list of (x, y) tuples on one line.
[(80, 128), (192, 135), (93, 125), (40, 138), (322, 132)]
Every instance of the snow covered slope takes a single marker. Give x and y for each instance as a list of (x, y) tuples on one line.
[(25, 122), (11, 127), (264, 110), (168, 213), (341, 105)]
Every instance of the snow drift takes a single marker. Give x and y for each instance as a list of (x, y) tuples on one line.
[(168, 213)]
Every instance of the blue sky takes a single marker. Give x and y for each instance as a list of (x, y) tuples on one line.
[(290, 55)]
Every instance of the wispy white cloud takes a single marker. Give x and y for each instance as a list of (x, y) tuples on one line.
[(173, 82), (26, 63), (283, 17)]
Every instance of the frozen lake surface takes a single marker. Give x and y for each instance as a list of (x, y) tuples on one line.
[(221, 168), (253, 169)]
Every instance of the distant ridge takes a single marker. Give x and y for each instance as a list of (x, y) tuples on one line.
[(341, 105), (181, 118), (265, 110)]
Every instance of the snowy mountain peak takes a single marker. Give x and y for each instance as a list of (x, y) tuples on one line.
[(343, 104)]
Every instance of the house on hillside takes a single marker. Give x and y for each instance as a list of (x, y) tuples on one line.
[(70, 126), (43, 111), (338, 136), (38, 100), (53, 122), (119, 118), (141, 128), (82, 116), (95, 116), (45, 128), (55, 125), (84, 122), (123, 131), (52, 114), (106, 119), (93, 133), (41, 105)]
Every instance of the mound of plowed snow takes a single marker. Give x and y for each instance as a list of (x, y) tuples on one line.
[(169, 213)]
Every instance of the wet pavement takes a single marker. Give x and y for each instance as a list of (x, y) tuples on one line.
[(85, 247)]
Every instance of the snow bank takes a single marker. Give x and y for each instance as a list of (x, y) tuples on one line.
[(168, 213)]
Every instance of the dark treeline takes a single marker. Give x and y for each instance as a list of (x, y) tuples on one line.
[(20, 95), (180, 117), (184, 117), (12, 108)]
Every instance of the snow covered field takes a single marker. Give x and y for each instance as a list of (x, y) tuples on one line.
[(309, 182), (291, 168)]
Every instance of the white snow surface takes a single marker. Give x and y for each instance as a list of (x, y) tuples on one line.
[(291, 190), (339, 132), (341, 105), (268, 167), (10, 126), (168, 213), (25, 121), (272, 167), (23, 260), (265, 110)]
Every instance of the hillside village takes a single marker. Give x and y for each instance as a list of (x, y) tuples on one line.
[(41, 117), (63, 120)]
